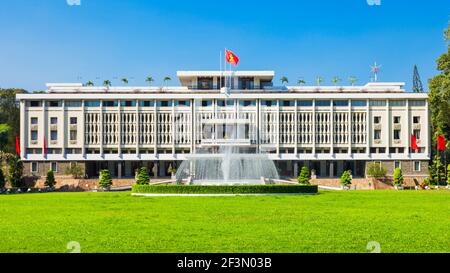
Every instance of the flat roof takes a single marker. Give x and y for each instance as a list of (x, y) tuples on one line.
[(217, 73)]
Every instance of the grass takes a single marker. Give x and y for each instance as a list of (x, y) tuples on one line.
[(332, 221)]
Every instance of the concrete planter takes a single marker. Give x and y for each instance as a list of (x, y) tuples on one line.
[(399, 187), (345, 188), (447, 187)]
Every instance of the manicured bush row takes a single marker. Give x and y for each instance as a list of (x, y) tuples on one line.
[(232, 189)]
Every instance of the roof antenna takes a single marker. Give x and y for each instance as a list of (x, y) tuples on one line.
[(375, 70)]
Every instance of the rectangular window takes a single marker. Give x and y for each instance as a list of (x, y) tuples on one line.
[(397, 164), (416, 119), (377, 103), (416, 133), (269, 103), (223, 103), (35, 103), (54, 167), (396, 134), (340, 102), (147, 103), (323, 103), (54, 103), (396, 119), (34, 167), (287, 103), (128, 103), (34, 135), (377, 134), (92, 103), (417, 166), (164, 103), (246, 103), (382, 150), (376, 120), (304, 103), (53, 135), (183, 103), (359, 102), (417, 102), (53, 120), (110, 103), (72, 103), (73, 135), (73, 120), (34, 121), (397, 103)]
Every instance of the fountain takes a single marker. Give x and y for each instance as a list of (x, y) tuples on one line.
[(226, 160)]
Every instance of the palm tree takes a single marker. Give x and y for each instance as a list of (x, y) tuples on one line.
[(284, 80), (89, 83), (149, 79), (107, 83), (124, 80), (352, 80), (335, 80), (319, 80), (167, 79), (301, 82)]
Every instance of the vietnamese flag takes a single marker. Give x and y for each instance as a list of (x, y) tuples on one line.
[(231, 57), (17, 146), (414, 142), (45, 146), (441, 143)]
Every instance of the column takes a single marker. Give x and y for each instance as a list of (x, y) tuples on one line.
[(64, 129), (119, 128), (296, 130), (388, 128), (408, 130), (23, 131), (314, 128), (82, 128), (101, 129), (332, 168), (119, 169), (137, 129), (368, 128), (295, 168)]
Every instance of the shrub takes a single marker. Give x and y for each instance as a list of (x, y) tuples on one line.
[(224, 189), (2, 179), (105, 179), (142, 177), (15, 172), (448, 174), (304, 176), (398, 177), (437, 171), (50, 179), (376, 170), (171, 170), (346, 178), (75, 170)]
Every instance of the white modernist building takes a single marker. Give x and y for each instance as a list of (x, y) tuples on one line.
[(328, 128)]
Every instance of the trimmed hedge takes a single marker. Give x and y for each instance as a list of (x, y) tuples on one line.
[(221, 189)]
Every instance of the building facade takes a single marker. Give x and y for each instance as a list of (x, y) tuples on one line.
[(328, 128)]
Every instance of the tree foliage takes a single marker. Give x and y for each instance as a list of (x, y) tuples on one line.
[(376, 170), (50, 179), (437, 171), (75, 170), (10, 115), (346, 178), (143, 178), (2, 179), (105, 180), (15, 172), (398, 177), (304, 176)]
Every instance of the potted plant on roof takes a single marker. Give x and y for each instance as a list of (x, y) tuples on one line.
[(353, 80), (301, 82), (149, 80), (284, 80)]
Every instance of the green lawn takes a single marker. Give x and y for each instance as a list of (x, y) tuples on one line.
[(332, 221)]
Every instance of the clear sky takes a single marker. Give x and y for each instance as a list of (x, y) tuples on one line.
[(50, 41)]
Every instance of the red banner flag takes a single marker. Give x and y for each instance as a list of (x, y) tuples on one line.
[(17, 145), (231, 57), (45, 146), (441, 143), (414, 142)]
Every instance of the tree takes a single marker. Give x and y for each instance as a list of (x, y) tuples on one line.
[(50, 179), (284, 80), (167, 79), (301, 82), (437, 170), (353, 80), (171, 170), (335, 80), (376, 170), (107, 83), (15, 171), (75, 170), (346, 178), (417, 82), (105, 180), (149, 79), (439, 96), (10, 114), (304, 176), (143, 178), (2, 179), (124, 80), (398, 177), (4, 136), (89, 83), (319, 80)]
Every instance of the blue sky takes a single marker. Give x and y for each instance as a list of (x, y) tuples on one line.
[(50, 41)]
